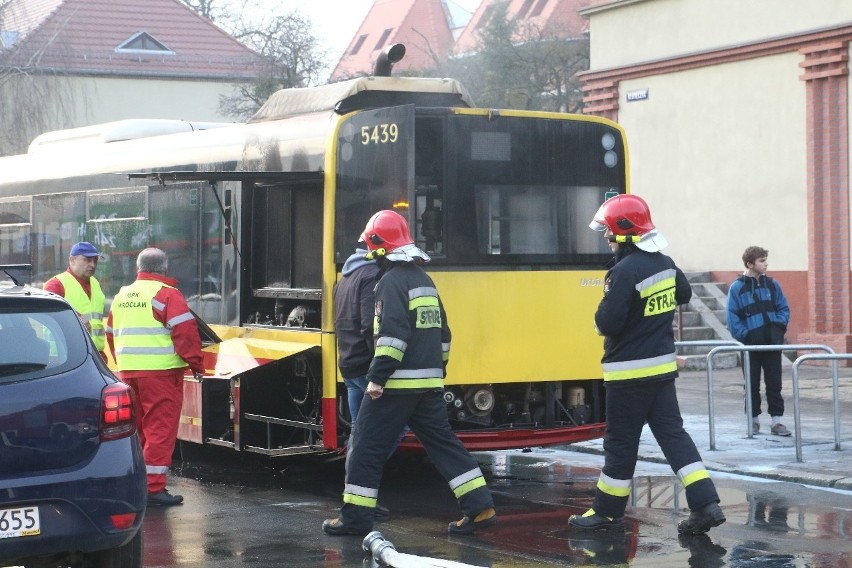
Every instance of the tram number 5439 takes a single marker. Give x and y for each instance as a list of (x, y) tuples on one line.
[(379, 134)]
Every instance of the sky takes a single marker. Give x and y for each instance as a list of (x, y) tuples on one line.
[(337, 21)]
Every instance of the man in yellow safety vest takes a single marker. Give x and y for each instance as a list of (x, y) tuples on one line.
[(82, 290), (153, 336)]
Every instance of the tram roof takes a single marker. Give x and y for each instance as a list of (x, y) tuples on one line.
[(363, 92)]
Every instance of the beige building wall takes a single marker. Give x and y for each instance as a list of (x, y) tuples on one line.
[(719, 153), (109, 99), (60, 103), (741, 136), (646, 30)]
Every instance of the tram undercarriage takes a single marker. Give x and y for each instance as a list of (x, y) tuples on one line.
[(276, 409)]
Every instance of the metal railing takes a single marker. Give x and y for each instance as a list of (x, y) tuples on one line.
[(747, 377), (709, 343), (797, 426)]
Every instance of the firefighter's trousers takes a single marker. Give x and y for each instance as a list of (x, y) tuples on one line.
[(628, 408), (376, 429), (160, 399)]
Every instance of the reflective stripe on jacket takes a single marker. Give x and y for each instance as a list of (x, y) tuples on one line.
[(141, 342), (412, 337), (91, 310)]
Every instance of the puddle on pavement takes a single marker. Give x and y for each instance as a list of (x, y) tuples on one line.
[(764, 506)]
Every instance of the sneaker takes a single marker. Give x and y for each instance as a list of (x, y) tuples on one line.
[(164, 499), (485, 519), (336, 527), (781, 430), (702, 520), (755, 427), (591, 521)]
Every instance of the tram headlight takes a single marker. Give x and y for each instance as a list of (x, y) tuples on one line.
[(479, 400)]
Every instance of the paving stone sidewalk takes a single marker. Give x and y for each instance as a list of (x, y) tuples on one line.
[(763, 455)]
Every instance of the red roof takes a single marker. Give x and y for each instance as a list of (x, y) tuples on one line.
[(86, 37), (422, 25), (560, 18)]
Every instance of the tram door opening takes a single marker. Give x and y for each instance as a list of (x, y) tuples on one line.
[(285, 237)]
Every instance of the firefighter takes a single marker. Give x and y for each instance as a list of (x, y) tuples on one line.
[(82, 290), (153, 337), (406, 386), (641, 291)]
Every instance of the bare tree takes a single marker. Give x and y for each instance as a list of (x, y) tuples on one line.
[(522, 65), (34, 98), (293, 56), (287, 42)]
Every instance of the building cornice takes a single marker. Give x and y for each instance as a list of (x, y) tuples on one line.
[(718, 56)]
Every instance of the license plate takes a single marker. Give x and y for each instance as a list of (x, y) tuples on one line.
[(19, 522)]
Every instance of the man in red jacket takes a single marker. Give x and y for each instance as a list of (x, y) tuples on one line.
[(153, 337)]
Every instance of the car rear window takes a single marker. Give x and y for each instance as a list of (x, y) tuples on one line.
[(39, 339)]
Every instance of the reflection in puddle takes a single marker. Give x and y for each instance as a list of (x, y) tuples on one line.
[(768, 523)]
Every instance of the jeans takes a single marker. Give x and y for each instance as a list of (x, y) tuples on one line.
[(356, 389), (770, 363)]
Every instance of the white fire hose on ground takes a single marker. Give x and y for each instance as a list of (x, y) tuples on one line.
[(384, 552)]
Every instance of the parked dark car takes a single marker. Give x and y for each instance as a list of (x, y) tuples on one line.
[(72, 476)]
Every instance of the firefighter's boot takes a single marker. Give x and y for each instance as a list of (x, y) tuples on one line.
[(702, 520), (592, 521), (468, 525)]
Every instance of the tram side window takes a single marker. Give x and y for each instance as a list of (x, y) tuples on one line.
[(117, 223), (59, 221), (176, 229), (15, 231)]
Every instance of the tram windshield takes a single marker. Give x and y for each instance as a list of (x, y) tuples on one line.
[(479, 189)]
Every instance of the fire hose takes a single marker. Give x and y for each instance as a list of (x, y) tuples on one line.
[(385, 553)]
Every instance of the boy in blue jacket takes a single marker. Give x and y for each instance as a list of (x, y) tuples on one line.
[(758, 314)]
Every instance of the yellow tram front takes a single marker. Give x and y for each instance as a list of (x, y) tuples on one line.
[(501, 201)]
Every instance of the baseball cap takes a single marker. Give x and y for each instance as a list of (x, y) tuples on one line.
[(84, 249)]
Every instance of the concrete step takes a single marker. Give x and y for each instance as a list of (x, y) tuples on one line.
[(696, 333), (704, 319), (694, 349), (698, 362), (714, 303), (698, 277), (690, 319)]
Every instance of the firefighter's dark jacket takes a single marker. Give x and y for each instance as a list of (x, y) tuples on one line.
[(411, 334), (641, 293)]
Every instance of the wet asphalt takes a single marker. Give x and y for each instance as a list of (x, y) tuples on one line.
[(243, 510)]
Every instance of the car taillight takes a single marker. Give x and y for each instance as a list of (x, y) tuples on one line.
[(123, 521), (118, 412)]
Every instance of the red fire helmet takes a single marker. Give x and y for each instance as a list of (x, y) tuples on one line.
[(388, 230), (625, 214), (628, 218)]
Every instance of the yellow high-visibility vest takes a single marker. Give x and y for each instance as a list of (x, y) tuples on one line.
[(91, 310), (141, 342)]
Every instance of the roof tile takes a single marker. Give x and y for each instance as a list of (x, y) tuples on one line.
[(82, 36)]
